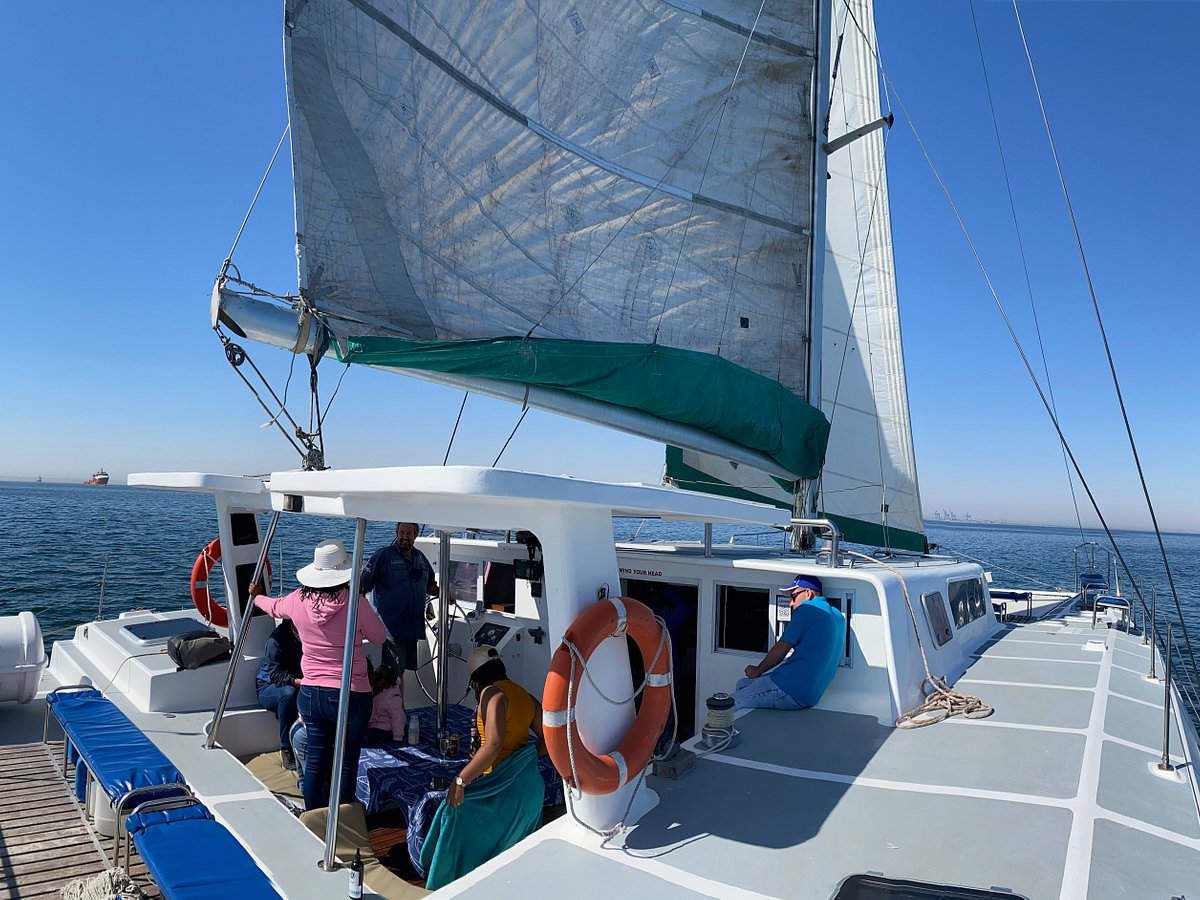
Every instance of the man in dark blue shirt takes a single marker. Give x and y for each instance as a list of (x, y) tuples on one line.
[(278, 683), (402, 579)]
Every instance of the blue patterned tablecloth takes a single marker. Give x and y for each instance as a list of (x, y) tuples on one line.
[(393, 775)]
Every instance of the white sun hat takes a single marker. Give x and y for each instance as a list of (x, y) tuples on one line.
[(479, 656), (330, 566)]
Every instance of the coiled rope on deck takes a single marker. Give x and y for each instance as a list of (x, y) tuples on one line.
[(941, 700)]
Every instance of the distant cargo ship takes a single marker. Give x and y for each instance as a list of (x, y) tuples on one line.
[(100, 477)]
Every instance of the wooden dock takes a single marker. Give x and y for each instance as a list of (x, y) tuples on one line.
[(45, 841)]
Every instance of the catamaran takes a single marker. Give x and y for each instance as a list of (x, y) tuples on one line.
[(672, 221)]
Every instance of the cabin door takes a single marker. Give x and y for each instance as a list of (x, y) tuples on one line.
[(677, 605)]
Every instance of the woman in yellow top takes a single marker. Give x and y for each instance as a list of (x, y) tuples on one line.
[(504, 791), (505, 715)]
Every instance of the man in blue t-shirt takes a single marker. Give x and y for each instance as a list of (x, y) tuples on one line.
[(814, 638), (402, 579)]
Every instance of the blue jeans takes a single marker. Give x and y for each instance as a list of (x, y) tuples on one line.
[(761, 693), (281, 700), (299, 741), (318, 710)]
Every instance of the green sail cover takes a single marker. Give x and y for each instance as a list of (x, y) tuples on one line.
[(686, 386), (777, 492)]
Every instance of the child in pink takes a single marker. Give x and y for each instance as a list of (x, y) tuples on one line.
[(387, 709)]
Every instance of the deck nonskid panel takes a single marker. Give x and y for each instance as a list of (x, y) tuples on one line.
[(811, 797)]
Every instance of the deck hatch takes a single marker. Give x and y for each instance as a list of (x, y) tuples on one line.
[(879, 887), (163, 629)]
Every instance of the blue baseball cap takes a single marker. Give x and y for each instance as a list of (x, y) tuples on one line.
[(809, 582)]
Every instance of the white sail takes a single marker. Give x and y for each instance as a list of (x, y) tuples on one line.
[(870, 476), (600, 174), (869, 484), (612, 186)]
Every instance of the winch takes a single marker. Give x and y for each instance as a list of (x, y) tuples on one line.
[(718, 733)]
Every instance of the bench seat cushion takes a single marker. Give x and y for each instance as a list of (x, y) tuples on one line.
[(193, 856), (119, 756)]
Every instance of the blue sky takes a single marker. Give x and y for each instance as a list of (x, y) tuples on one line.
[(136, 136)]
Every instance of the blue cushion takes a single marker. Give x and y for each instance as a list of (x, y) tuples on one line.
[(192, 856), (1121, 602), (115, 750), (151, 817), (1086, 578), (54, 698)]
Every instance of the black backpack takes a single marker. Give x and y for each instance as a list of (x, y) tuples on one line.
[(194, 649)]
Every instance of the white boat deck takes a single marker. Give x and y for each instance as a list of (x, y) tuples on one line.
[(1052, 796), (1055, 795)]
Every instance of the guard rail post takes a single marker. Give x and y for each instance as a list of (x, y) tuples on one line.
[(243, 630)]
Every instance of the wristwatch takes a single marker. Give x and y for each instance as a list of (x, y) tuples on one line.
[(458, 780)]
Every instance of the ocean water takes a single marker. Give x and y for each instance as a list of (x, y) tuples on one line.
[(64, 549)]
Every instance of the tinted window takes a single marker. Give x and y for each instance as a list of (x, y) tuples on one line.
[(743, 618), (966, 601)]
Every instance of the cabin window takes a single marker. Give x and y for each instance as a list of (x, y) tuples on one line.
[(499, 587), (845, 604), (743, 618), (464, 581), (967, 601), (243, 528), (935, 615)]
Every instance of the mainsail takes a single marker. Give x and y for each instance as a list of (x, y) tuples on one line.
[(588, 182)]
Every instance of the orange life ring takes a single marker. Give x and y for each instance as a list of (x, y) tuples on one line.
[(213, 612), (605, 773)]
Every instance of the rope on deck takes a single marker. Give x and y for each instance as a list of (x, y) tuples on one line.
[(941, 700)]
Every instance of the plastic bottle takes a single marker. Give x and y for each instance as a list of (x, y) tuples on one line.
[(356, 877), (414, 731), (473, 747)]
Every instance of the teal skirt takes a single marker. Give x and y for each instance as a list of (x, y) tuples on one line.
[(498, 810)]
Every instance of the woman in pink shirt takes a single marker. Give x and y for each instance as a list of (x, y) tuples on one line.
[(318, 609)]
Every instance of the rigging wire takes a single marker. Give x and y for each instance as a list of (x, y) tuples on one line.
[(1024, 576), (1012, 332), (524, 413), (313, 453), (278, 147), (236, 356), (337, 387), (316, 455), (1187, 641), (450, 443), (286, 386), (987, 84)]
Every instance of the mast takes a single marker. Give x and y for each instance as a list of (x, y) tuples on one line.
[(805, 506)]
